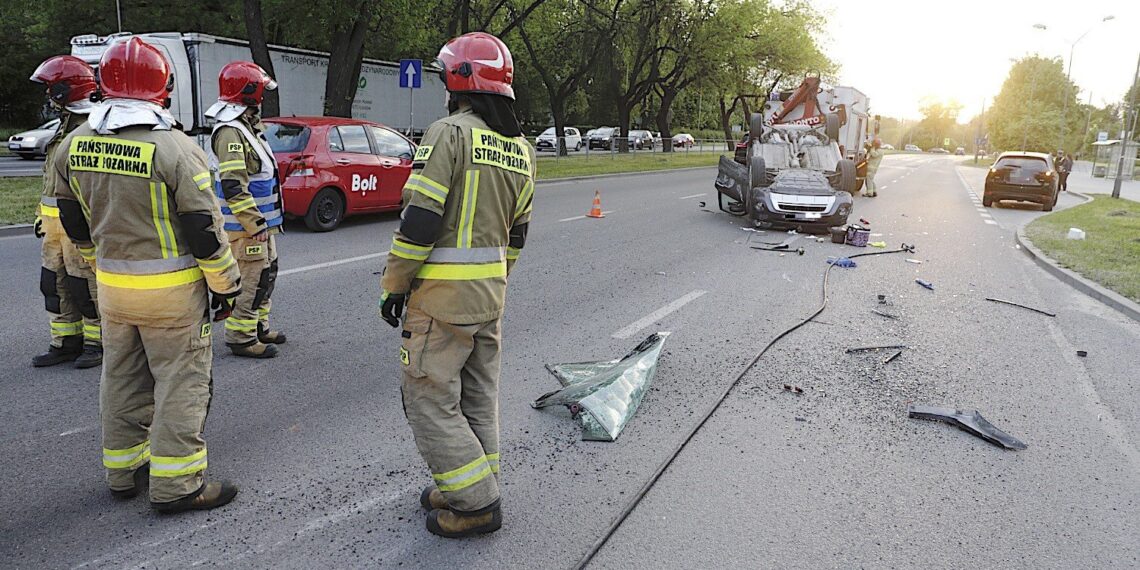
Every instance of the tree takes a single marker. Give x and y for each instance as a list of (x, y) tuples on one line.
[(255, 28), (347, 30), (938, 122), (1026, 114)]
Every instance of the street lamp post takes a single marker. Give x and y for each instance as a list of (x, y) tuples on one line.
[(1127, 134)]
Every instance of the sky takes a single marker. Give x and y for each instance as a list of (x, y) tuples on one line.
[(900, 52)]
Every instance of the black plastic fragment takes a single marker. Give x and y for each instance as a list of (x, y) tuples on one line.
[(888, 359), (971, 422), (869, 348), (887, 315), (1082, 353), (1004, 302)]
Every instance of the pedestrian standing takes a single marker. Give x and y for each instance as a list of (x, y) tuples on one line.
[(468, 205), (247, 188), (1064, 168), (136, 191), (874, 157), (66, 278)]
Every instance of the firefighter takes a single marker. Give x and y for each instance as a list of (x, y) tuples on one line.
[(66, 279), (247, 188), (874, 157), (468, 203), (134, 195)]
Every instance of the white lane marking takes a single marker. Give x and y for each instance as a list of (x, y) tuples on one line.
[(687, 197), (884, 187), (658, 314), (331, 263), (604, 212), (17, 237), (990, 222), (76, 430)]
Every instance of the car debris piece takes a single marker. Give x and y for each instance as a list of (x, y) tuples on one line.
[(882, 299), (971, 422), (842, 262), (864, 221), (878, 244), (700, 204), (925, 283), (801, 419), (1082, 353), (887, 315), (775, 246), (914, 261), (1004, 302), (869, 348), (888, 359), (793, 389), (604, 395)]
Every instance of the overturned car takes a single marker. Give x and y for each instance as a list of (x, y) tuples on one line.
[(795, 178)]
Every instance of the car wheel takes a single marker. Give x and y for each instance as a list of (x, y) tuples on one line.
[(847, 177), (1048, 206), (756, 127), (578, 146), (325, 211), (987, 201), (832, 128), (757, 172)]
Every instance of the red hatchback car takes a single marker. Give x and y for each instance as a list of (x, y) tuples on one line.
[(331, 167)]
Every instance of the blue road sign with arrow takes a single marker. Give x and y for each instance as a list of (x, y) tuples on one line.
[(411, 73)]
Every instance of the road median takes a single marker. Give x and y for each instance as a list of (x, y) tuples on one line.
[(1105, 264), (574, 167)]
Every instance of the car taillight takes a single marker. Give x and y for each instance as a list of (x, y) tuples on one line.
[(300, 166)]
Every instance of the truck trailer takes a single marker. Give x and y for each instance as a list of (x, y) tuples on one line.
[(300, 74)]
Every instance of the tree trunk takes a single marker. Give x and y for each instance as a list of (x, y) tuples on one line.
[(345, 58), (255, 29), (664, 116), (558, 111), (623, 109), (726, 111)]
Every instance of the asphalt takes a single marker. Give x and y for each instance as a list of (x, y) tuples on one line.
[(330, 475), (16, 166)]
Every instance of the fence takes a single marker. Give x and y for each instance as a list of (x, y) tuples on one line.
[(580, 148)]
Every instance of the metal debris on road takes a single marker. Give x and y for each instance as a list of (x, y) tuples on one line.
[(844, 262), (604, 395), (1004, 302), (914, 261), (888, 359), (870, 348), (971, 422), (793, 389), (882, 299), (887, 315), (1082, 353), (801, 419), (925, 283)]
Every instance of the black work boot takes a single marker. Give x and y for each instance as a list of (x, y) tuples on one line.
[(208, 496), (431, 498), (71, 348), (141, 477), (453, 524), (92, 356), (267, 336), (254, 349)]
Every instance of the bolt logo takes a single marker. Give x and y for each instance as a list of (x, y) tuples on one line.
[(363, 185)]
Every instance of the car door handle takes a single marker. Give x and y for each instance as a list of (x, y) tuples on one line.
[(343, 161)]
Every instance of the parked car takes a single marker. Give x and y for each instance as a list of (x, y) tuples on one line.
[(546, 140), (331, 168), (912, 148), (938, 150), (639, 139), (683, 140), (960, 151), (1022, 177), (886, 146), (33, 144), (601, 137)]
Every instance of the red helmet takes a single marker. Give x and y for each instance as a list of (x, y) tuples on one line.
[(135, 69), (68, 79), (477, 63), (244, 83)]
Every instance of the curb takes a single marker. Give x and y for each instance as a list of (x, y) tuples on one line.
[(1094, 290), (621, 174), (15, 229)]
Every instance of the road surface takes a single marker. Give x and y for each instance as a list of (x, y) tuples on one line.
[(330, 476), (16, 166)]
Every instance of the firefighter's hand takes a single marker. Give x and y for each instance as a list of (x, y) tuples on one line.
[(223, 304), (263, 236), (38, 227), (392, 307)]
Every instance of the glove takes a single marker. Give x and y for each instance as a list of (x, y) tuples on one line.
[(38, 227), (223, 304), (392, 307)]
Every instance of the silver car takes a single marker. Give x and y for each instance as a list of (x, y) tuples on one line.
[(33, 144)]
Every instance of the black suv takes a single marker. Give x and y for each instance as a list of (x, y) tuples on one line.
[(1022, 177)]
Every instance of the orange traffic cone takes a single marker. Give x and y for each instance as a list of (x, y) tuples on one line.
[(596, 210)]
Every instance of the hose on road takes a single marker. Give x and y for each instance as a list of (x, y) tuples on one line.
[(641, 493)]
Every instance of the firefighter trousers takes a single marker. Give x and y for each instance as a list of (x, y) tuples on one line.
[(153, 398), (451, 399), (869, 184), (68, 285), (258, 264)]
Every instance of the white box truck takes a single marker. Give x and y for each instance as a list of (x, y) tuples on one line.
[(197, 58)]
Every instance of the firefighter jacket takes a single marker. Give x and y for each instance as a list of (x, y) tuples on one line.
[(246, 183), (67, 122), (482, 184), (874, 157), (139, 207)]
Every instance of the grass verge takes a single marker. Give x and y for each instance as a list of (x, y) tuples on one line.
[(1110, 252), (549, 168), (984, 162), (18, 199)]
